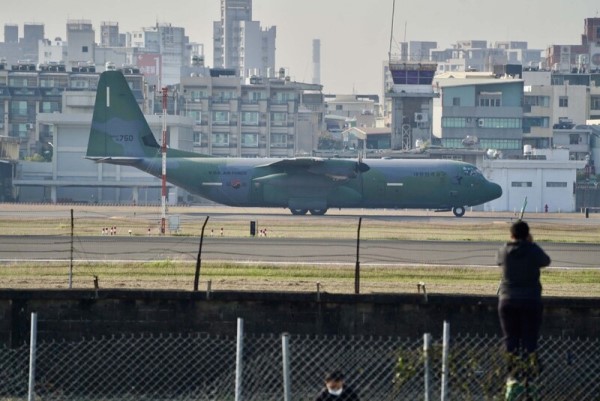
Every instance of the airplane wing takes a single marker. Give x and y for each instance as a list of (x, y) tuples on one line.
[(335, 169)]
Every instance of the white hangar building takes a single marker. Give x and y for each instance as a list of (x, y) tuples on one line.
[(546, 177)]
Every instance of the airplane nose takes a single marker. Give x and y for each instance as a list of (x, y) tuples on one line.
[(495, 191)]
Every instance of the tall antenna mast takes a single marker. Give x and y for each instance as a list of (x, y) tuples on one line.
[(163, 216), (392, 31)]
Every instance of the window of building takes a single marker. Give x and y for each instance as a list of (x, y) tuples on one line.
[(20, 130), (84, 49), (490, 99), (278, 119), (574, 139), (249, 140), (500, 144), (49, 107), (339, 107), (196, 95), (250, 118), (196, 115), (18, 108), (528, 122), (278, 140), (17, 82), (521, 184), (556, 184), (499, 122), (455, 101), (563, 101), (255, 96), (540, 101), (595, 103), (454, 122), (220, 140), (197, 138), (220, 117)]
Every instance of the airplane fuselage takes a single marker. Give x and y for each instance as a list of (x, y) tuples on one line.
[(435, 184)]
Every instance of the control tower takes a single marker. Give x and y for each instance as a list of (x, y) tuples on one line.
[(412, 102)]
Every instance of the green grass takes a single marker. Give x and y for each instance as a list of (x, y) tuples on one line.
[(252, 277)]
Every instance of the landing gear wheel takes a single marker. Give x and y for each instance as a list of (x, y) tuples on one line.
[(318, 212), (299, 212), (458, 211)]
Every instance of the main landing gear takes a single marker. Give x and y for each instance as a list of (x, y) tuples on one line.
[(459, 211), (314, 212)]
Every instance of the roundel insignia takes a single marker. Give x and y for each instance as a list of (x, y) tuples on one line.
[(235, 183)]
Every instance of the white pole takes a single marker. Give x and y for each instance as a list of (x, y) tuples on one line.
[(163, 216), (238, 359), (285, 348), (32, 348), (426, 346), (446, 346)]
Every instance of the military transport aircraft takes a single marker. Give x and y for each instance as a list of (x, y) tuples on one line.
[(121, 135)]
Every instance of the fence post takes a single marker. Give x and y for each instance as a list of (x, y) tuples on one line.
[(426, 346), (32, 356), (285, 348), (71, 253), (238, 359), (445, 349)]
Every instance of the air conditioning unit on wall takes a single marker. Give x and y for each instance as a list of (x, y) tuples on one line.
[(420, 117), (480, 122)]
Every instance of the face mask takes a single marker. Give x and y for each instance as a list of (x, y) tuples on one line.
[(335, 392)]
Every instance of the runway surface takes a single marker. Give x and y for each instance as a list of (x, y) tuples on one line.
[(278, 250)]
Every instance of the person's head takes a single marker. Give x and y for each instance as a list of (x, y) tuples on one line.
[(334, 382), (519, 231)]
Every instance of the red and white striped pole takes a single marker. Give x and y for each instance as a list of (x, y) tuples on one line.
[(164, 164)]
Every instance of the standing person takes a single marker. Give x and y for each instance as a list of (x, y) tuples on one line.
[(336, 390), (520, 300)]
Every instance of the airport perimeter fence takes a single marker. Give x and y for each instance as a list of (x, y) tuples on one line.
[(288, 367)]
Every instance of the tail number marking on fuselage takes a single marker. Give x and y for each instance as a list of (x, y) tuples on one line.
[(122, 138)]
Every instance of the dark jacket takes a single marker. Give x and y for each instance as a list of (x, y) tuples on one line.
[(347, 395), (521, 262)]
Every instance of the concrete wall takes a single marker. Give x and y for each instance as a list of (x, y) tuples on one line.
[(82, 313)]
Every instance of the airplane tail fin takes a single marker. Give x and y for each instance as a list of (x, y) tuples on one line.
[(119, 131)]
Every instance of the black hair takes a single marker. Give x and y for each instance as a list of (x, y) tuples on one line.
[(520, 230), (336, 375)]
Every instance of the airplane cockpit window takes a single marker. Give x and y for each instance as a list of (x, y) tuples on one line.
[(471, 171)]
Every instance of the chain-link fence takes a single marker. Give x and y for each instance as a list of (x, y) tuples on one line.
[(203, 367)]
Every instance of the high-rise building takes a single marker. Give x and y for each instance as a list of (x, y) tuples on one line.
[(316, 61), (109, 34), (80, 42), (240, 43), (32, 34), (167, 45), (11, 33)]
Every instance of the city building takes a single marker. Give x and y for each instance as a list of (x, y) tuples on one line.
[(478, 110), (109, 35), (544, 178), (360, 110), (81, 43), (260, 118), (240, 43), (163, 46), (32, 34), (411, 103)]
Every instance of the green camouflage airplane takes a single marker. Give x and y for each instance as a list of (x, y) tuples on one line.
[(121, 135)]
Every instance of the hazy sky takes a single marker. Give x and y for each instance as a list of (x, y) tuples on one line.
[(354, 34)]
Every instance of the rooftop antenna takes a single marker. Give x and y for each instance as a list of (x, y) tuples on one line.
[(392, 31)]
